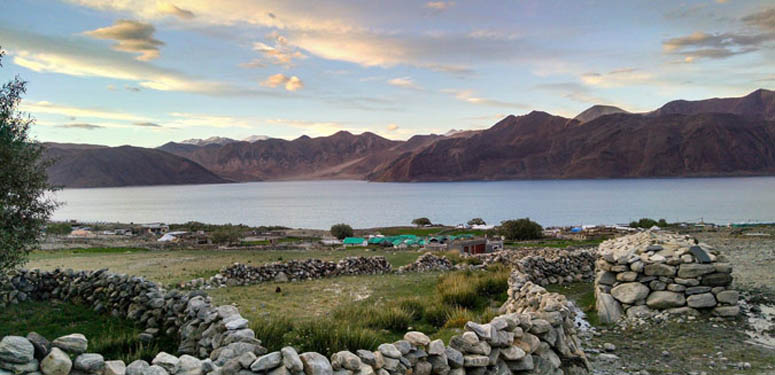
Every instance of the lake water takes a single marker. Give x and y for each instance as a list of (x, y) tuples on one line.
[(320, 204)]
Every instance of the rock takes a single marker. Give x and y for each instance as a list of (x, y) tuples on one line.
[(608, 309), (137, 367), (726, 311), (16, 349), (716, 279), (246, 359), (75, 343), (454, 357), (316, 364), (422, 368), (512, 353), (609, 347), (629, 293), (236, 324), (166, 361), (640, 311), (366, 357), (665, 300), (475, 360), (189, 365), (699, 301), (41, 344), (484, 331), (279, 370), (346, 360), (89, 362), (627, 276), (699, 254), (685, 310), (659, 269), (540, 326), (728, 297), (267, 362), (606, 278), (21, 368), (56, 362), (417, 338), (114, 368), (692, 270), (696, 290), (389, 350), (154, 370), (436, 347), (292, 361), (524, 364)]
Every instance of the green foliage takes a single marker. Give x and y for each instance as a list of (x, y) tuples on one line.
[(421, 221), (325, 336), (24, 205), (648, 223), (520, 230), (113, 337), (58, 229), (476, 221), (341, 231), (227, 234)]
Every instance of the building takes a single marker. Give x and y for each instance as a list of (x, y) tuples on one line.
[(156, 228), (469, 246), (354, 241)]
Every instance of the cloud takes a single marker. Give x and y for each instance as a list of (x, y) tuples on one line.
[(617, 78), (77, 57), (392, 127), (291, 83), (147, 124), (78, 112), (469, 96), (764, 19), (279, 54), (81, 126), (404, 82), (131, 36), (173, 10), (185, 119), (439, 6), (573, 91)]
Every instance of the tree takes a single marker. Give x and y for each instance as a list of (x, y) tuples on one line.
[(227, 234), (421, 221), (647, 223), (476, 221), (59, 229), (341, 231), (25, 206), (521, 230)]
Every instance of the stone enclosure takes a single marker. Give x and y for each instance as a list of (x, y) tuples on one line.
[(647, 272)]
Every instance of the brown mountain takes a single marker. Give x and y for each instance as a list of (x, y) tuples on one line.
[(538, 145), (759, 104), (101, 166), (341, 155)]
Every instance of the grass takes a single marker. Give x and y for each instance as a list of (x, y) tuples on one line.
[(359, 312), (583, 295), (169, 267), (560, 244), (112, 337)]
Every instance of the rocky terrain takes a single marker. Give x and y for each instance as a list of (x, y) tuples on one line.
[(714, 137)]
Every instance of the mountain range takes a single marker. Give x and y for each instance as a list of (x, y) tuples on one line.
[(713, 137)]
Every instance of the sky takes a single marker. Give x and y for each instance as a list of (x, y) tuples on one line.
[(145, 72)]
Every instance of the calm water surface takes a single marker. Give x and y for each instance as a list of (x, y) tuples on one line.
[(320, 204)]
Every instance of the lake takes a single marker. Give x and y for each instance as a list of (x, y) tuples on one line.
[(320, 204)]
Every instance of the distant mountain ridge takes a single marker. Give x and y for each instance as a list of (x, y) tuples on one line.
[(714, 137)]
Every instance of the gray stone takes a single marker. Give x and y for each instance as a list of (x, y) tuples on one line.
[(699, 301), (56, 362), (16, 349), (687, 282), (512, 353), (389, 350), (316, 364), (629, 293), (678, 288), (484, 331), (155, 370), (21, 368), (659, 269), (114, 368), (657, 285), (726, 311), (605, 277), (189, 365), (365, 370), (696, 290), (366, 357), (422, 368), (279, 370), (390, 364), (347, 360), (626, 276), (716, 279), (41, 344), (728, 297), (167, 361), (608, 309), (474, 360), (75, 343), (267, 362), (524, 364), (417, 338), (403, 346), (236, 324), (137, 367), (89, 362), (454, 357), (685, 310), (720, 267), (699, 254), (292, 361), (665, 300), (436, 347), (692, 270), (246, 359), (640, 311), (540, 326)]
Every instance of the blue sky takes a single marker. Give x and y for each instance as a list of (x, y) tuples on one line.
[(144, 72)]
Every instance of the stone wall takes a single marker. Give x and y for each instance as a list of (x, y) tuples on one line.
[(292, 270), (428, 263), (546, 265), (651, 271)]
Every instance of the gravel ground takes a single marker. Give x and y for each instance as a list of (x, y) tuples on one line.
[(704, 345)]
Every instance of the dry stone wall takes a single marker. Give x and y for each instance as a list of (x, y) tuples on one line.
[(651, 271), (428, 263)]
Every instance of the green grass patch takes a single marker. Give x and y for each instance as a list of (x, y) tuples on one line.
[(583, 295), (115, 338)]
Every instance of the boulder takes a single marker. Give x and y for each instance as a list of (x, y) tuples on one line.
[(292, 361), (692, 270), (389, 350), (114, 368), (189, 365), (154, 370), (726, 311), (316, 364), (75, 343), (346, 360), (665, 300), (728, 297), (56, 362), (137, 367), (41, 344), (417, 338), (716, 279), (699, 301), (659, 269), (608, 309), (89, 362), (16, 349), (629, 293), (167, 361), (267, 362)]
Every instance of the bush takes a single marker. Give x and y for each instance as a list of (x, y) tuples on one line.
[(458, 317), (341, 231), (228, 234), (58, 229), (521, 230), (421, 221), (476, 221), (648, 223)]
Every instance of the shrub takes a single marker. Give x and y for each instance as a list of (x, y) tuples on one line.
[(421, 221), (227, 234), (521, 230), (476, 221), (341, 231), (493, 285), (58, 229), (458, 317), (648, 223), (458, 290)]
